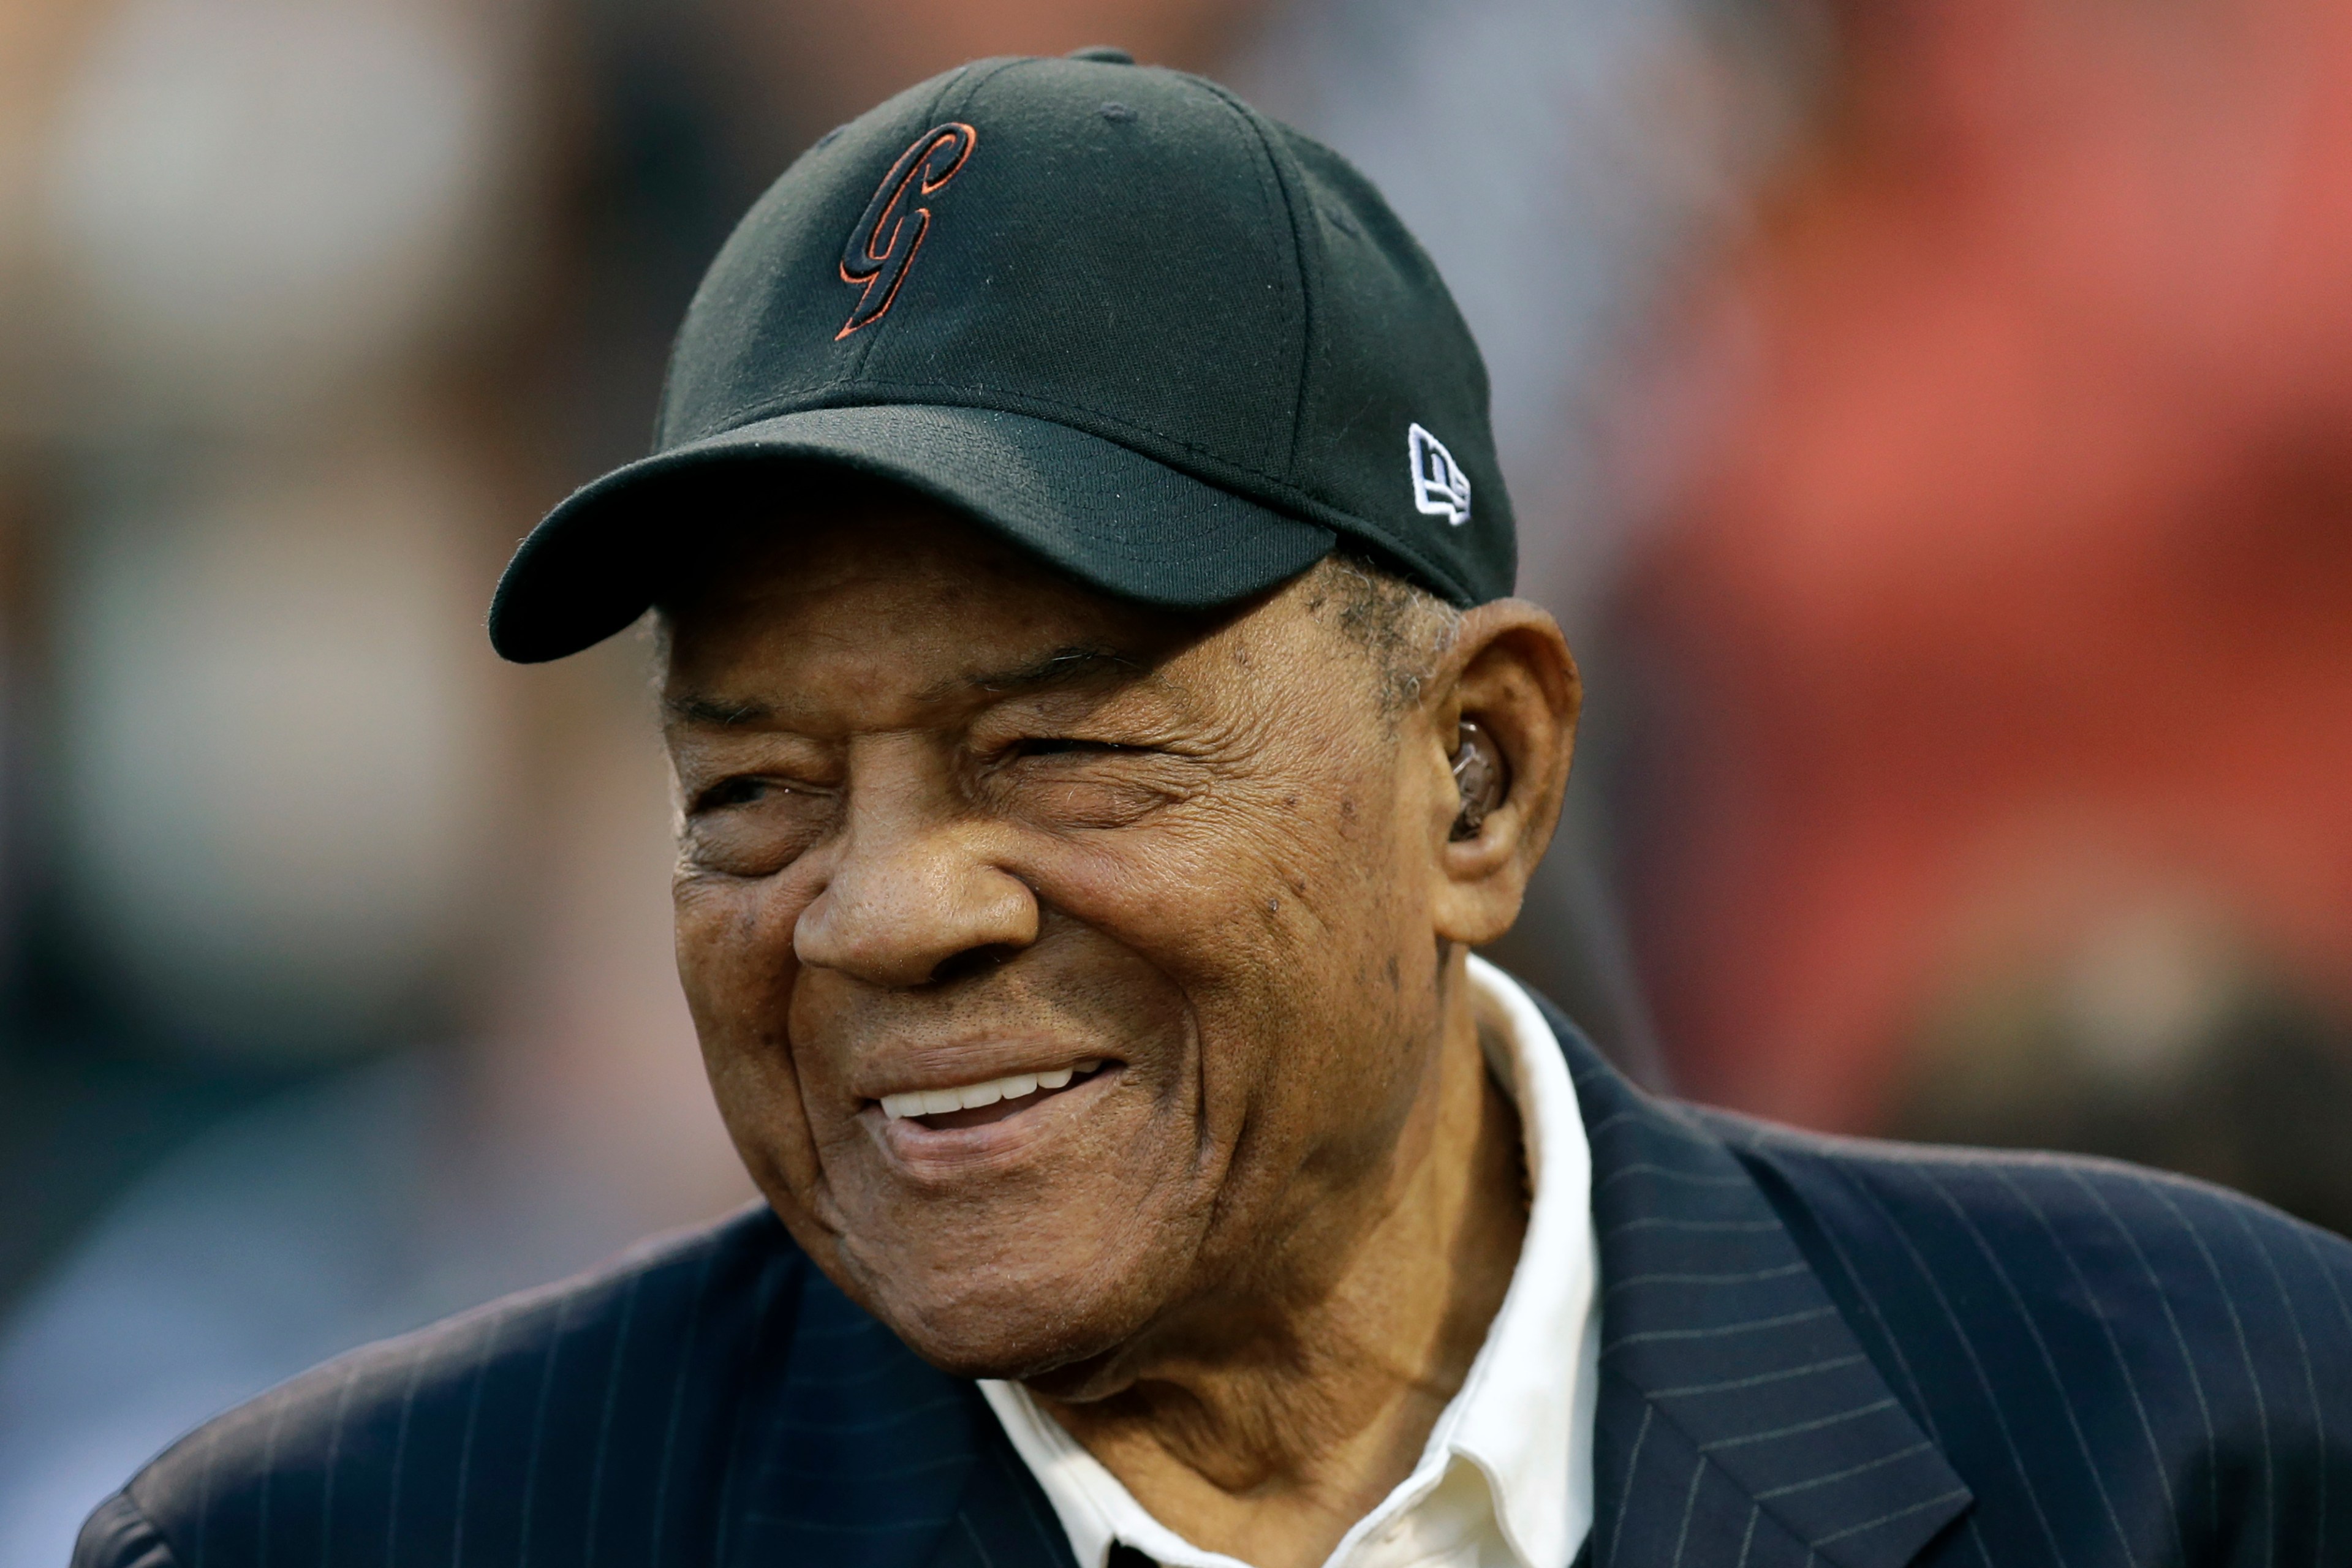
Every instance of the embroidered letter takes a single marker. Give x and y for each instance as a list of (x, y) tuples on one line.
[(1440, 488), (882, 245)]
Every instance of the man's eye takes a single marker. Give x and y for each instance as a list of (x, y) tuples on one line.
[(1063, 782), (738, 792), (754, 826), (1062, 745)]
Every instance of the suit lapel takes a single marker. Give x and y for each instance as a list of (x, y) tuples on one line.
[(1739, 1420), (1004, 1518), (866, 1457)]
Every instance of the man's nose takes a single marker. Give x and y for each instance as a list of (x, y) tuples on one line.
[(909, 905)]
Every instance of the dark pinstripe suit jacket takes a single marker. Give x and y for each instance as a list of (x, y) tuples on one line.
[(1815, 1352)]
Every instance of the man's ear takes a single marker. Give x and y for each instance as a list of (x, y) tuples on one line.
[(1510, 676)]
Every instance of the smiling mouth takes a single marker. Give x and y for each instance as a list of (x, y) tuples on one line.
[(988, 1100)]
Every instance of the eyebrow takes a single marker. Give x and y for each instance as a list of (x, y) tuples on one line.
[(1062, 667), (722, 712)]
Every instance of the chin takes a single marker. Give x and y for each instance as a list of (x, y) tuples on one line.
[(984, 1320)]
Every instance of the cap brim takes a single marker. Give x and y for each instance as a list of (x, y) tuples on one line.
[(1111, 517)]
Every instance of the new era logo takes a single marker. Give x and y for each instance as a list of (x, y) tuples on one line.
[(1440, 488)]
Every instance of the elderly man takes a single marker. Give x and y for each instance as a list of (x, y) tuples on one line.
[(1102, 732)]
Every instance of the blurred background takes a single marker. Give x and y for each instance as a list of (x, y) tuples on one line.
[(1933, 424)]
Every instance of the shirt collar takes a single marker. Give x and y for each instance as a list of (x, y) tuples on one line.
[(1524, 1415)]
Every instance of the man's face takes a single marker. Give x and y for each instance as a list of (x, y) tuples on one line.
[(952, 821)]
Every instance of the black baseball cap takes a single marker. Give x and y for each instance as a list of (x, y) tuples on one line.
[(1176, 348)]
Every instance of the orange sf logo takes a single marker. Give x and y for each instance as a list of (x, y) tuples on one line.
[(882, 245)]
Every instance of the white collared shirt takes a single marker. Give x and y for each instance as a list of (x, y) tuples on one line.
[(1505, 1478)]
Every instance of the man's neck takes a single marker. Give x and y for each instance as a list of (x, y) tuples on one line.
[(1271, 1450)]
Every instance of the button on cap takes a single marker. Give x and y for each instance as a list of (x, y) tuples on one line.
[(1105, 53)]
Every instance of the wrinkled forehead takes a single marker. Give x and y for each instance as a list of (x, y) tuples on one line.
[(887, 600)]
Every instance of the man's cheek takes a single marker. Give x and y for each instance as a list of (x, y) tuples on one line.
[(735, 956), (739, 981)]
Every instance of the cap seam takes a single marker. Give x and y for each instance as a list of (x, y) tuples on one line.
[(1306, 300), (966, 395)]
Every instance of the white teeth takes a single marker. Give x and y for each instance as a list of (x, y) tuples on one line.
[(971, 1096)]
